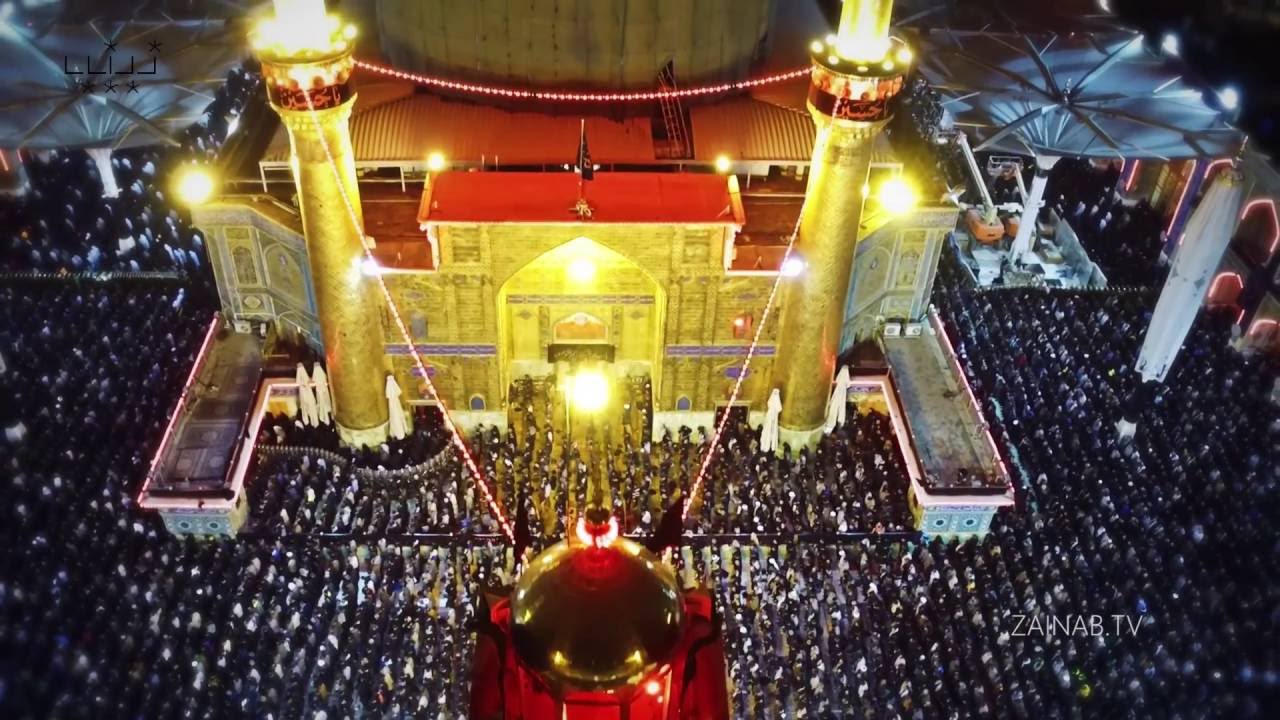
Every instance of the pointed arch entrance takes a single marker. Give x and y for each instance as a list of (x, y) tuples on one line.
[(580, 303)]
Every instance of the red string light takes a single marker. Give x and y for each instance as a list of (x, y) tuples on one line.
[(183, 398), (455, 436), (581, 97), (742, 374), (516, 93)]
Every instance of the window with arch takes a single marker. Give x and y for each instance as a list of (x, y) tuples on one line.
[(285, 274), (1259, 230), (683, 403), (580, 327), (1264, 331), (477, 403), (1225, 288), (246, 270)]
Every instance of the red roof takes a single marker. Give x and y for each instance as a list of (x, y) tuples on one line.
[(614, 197)]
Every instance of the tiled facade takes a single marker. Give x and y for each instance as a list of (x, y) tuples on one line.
[(500, 297)]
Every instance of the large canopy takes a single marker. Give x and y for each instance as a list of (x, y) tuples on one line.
[(1004, 15), (49, 104), (1081, 94)]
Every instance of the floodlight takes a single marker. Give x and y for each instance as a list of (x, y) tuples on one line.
[(589, 391), (1229, 97), (581, 270), (194, 184), (897, 196)]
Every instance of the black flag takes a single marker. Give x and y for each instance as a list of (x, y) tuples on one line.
[(583, 165), (523, 538), (670, 528)]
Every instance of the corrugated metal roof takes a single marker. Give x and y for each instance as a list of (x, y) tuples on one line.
[(753, 129), (748, 129), (791, 94), (410, 128), (772, 125)]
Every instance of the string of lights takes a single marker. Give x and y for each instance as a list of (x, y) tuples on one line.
[(455, 435), (742, 374), (517, 93)]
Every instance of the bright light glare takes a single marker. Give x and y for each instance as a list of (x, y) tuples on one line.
[(723, 164), (897, 196), (602, 539), (904, 54), (589, 391), (792, 267), (581, 270), (435, 162), (297, 25), (862, 47), (370, 267), (1170, 45), (195, 185), (1230, 98), (653, 687)]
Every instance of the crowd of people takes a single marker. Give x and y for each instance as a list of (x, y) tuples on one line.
[(1123, 237), (65, 223), (351, 589), (91, 371), (350, 592), (854, 483), (425, 440), (1172, 524)]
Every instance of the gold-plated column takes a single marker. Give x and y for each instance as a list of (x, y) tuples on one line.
[(849, 100), (347, 302), (813, 300)]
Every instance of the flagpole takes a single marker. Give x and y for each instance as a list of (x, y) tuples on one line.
[(582, 135)]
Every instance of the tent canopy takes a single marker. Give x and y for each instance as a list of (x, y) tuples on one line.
[(48, 105), (1081, 94), (1004, 15)]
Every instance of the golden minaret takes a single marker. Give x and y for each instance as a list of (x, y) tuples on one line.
[(855, 74), (302, 46)]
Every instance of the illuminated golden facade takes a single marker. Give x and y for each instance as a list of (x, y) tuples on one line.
[(501, 275), (307, 64), (517, 296), (855, 75), (500, 294)]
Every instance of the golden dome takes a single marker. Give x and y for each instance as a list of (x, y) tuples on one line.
[(596, 616)]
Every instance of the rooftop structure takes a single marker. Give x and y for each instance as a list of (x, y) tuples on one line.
[(1076, 95), (529, 197)]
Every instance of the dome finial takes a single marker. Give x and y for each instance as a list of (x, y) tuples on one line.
[(597, 527)]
